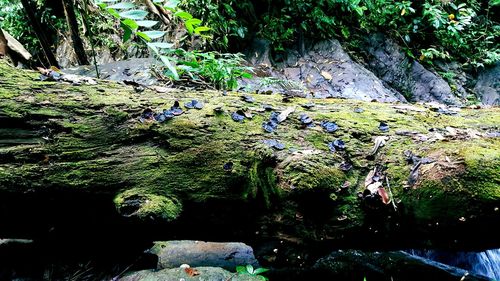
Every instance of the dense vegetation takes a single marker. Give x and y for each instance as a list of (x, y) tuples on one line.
[(463, 30), (445, 29)]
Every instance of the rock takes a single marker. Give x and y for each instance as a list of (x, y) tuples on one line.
[(176, 274), (16, 47), (356, 265), (132, 70), (488, 85), (197, 253), (258, 53), (388, 61), (328, 71)]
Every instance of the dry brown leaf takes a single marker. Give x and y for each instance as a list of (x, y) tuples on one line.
[(191, 271)]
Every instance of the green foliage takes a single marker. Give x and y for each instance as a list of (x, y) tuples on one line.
[(220, 70), (465, 30), (13, 19), (249, 270), (224, 19)]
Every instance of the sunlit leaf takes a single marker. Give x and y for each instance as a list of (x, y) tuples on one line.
[(123, 5), (170, 67), (113, 12), (171, 4), (161, 45), (200, 29), (147, 23), (249, 268), (134, 14), (189, 27), (143, 36), (194, 21), (184, 15), (132, 24), (154, 34), (260, 270)]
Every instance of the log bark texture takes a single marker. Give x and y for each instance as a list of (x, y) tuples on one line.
[(80, 153)]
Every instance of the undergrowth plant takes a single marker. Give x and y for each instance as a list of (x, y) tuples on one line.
[(250, 270), (220, 70)]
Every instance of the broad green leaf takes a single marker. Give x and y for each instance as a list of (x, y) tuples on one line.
[(143, 36), (123, 5), (200, 29), (184, 15), (113, 12), (189, 27), (241, 269), (147, 23), (154, 34), (161, 45), (170, 67), (194, 21), (248, 76), (249, 268), (127, 33), (260, 270), (134, 14), (130, 23)]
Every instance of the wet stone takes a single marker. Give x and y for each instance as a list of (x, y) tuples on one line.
[(267, 107), (248, 99), (168, 113), (330, 127), (306, 120), (193, 104), (337, 144), (270, 126), (238, 116), (383, 127), (160, 117), (274, 144)]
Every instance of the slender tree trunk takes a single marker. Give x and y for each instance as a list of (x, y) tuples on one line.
[(37, 26), (69, 11)]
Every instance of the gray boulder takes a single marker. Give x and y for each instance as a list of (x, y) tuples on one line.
[(172, 254), (488, 85), (328, 71), (389, 62), (176, 274)]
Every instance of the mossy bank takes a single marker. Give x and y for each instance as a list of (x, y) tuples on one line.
[(89, 139)]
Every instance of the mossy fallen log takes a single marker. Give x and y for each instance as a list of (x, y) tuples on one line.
[(440, 170)]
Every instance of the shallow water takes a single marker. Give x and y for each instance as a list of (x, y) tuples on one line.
[(485, 263)]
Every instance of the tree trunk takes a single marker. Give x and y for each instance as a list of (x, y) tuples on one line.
[(89, 155), (37, 26), (69, 11)]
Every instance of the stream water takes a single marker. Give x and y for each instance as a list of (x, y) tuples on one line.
[(485, 263)]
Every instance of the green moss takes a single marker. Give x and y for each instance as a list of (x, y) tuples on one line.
[(143, 205)]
